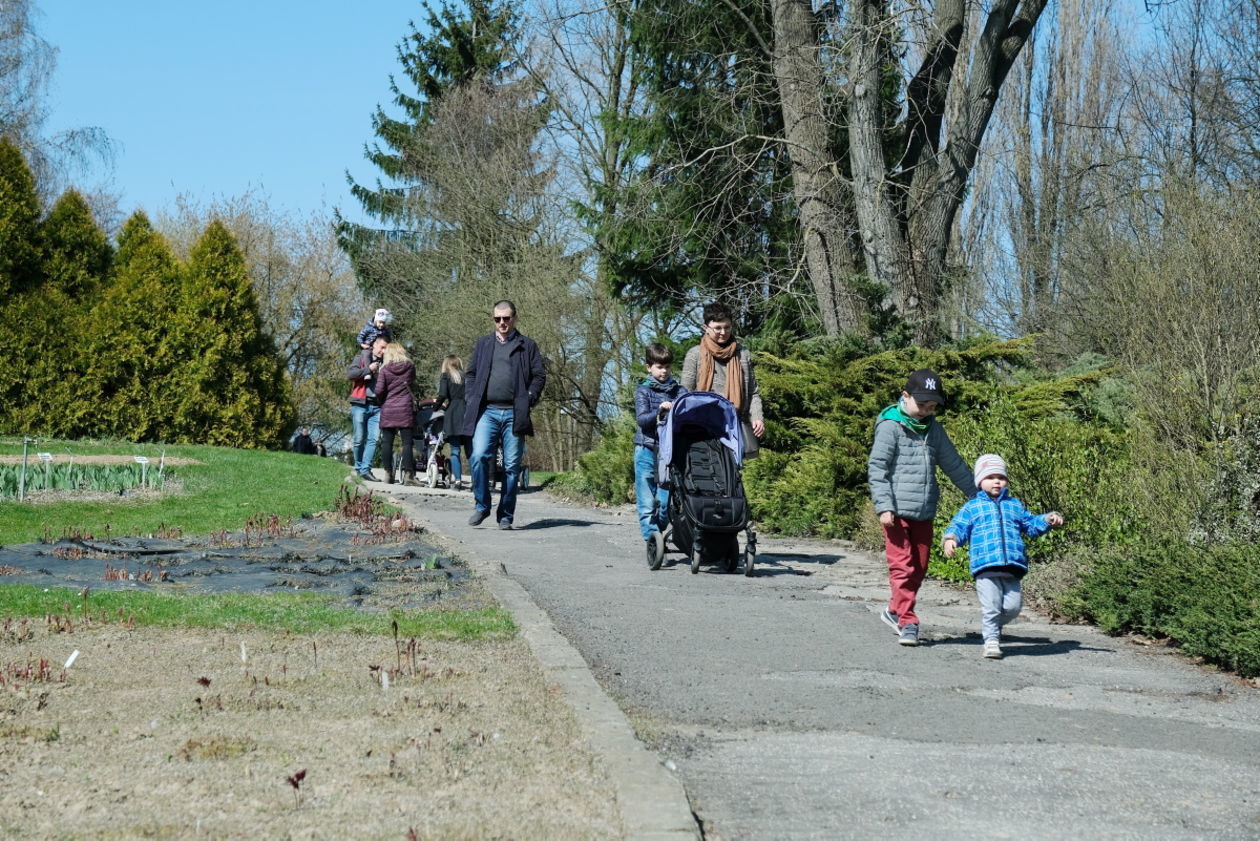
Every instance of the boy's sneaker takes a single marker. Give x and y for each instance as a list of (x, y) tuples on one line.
[(992, 650), (908, 635), (890, 619)]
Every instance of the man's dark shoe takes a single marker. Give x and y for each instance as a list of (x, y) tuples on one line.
[(477, 517), (505, 525), (369, 476)]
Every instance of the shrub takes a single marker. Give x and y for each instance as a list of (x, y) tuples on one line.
[(1206, 599)]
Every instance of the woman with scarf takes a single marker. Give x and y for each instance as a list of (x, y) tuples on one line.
[(721, 364)]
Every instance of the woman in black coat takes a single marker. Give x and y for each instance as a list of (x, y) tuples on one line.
[(451, 398)]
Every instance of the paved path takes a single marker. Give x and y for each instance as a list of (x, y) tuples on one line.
[(788, 711)]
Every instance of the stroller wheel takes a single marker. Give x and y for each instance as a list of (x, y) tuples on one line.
[(695, 559), (432, 476), (658, 550), (750, 555)]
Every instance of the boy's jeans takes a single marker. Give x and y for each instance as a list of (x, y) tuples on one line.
[(1000, 602), (493, 426), (907, 543), (365, 421), (651, 501)]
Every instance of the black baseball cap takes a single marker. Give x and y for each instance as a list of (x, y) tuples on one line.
[(925, 385)]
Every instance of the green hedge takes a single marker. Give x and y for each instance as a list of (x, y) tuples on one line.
[(1204, 598)]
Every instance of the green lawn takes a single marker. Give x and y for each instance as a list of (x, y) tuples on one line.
[(297, 613), (231, 486)]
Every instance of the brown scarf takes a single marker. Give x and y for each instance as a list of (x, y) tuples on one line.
[(710, 351)]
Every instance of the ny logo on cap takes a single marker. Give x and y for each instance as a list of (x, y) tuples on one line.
[(929, 384)]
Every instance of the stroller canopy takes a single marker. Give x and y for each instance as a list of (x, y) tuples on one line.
[(704, 409)]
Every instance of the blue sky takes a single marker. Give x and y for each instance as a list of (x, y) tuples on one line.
[(214, 99)]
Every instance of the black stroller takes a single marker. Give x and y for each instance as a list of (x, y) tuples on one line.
[(698, 460)]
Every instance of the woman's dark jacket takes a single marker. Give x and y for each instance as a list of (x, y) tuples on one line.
[(451, 397), (393, 392), (527, 374)]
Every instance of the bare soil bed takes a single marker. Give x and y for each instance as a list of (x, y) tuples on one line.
[(179, 734), (227, 734)]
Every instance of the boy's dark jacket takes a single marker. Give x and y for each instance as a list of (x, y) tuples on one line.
[(648, 398), (528, 375)]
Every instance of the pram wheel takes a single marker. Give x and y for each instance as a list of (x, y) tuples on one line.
[(695, 559), (750, 554), (432, 476), (658, 550)]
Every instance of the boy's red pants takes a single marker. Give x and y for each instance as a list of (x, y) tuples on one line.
[(907, 543)]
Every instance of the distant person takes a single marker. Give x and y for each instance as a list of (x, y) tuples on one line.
[(302, 442), (377, 327), (653, 399), (909, 445), (995, 523), (365, 411), (321, 449), (394, 391), (721, 364), (450, 396), (504, 380)]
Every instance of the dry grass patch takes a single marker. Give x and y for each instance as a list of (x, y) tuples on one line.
[(170, 733)]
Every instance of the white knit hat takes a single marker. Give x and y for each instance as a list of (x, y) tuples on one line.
[(988, 465), (383, 315)]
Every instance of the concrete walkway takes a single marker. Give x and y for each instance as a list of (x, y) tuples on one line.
[(786, 710)]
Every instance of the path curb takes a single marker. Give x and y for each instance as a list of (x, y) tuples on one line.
[(651, 801)]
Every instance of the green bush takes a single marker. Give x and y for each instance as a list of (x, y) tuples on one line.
[(606, 473), (1206, 599)]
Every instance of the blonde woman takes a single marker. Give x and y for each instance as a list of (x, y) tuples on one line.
[(450, 390), (394, 385)]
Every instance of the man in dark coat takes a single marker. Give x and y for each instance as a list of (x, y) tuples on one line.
[(503, 381)]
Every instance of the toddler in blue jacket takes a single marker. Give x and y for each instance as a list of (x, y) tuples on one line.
[(995, 523)]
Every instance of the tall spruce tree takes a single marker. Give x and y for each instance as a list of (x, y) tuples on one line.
[(458, 166), (231, 387)]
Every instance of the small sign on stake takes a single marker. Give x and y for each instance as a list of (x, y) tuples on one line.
[(143, 461), (45, 456)]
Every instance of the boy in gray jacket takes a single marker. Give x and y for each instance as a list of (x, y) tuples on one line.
[(909, 445)]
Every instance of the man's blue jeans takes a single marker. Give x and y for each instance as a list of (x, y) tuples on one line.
[(652, 501), (365, 421), (495, 427)]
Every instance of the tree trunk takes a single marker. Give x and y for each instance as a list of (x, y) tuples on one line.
[(816, 183), (906, 235), (883, 242)]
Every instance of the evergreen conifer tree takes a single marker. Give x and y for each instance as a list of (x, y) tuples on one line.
[(19, 220), (128, 389), (20, 311), (75, 254), (231, 385)]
